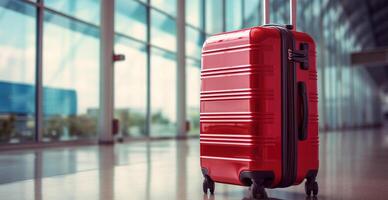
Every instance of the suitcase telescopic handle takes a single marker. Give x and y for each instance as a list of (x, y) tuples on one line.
[(305, 109), (266, 11)]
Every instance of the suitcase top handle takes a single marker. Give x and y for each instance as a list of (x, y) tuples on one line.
[(266, 11)]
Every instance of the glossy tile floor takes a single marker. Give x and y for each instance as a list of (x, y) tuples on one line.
[(354, 165)]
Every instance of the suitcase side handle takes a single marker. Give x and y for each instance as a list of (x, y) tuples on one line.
[(305, 109), (301, 56), (267, 18)]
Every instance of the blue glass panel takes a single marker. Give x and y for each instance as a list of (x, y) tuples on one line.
[(13, 98), (67, 99)]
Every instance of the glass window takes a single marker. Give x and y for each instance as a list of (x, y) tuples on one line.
[(163, 93), (167, 6), (87, 10), (193, 87), (194, 41), (163, 31), (17, 71), (70, 79), (131, 19), (194, 13), (131, 87), (214, 22), (252, 13), (233, 14)]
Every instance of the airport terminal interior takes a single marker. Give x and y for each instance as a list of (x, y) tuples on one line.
[(60, 91)]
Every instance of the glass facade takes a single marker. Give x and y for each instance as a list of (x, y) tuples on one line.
[(131, 87), (131, 19), (252, 12), (194, 41), (167, 6), (346, 93), (214, 14), (233, 15), (195, 36), (70, 78), (17, 71), (163, 93), (194, 13), (193, 88), (163, 31), (146, 83), (86, 10)]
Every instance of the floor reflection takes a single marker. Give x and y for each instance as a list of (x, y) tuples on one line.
[(181, 167), (106, 172), (352, 166), (38, 176)]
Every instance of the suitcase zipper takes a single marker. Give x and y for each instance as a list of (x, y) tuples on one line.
[(289, 140)]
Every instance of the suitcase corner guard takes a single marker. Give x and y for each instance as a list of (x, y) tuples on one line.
[(204, 171), (267, 177), (312, 174)]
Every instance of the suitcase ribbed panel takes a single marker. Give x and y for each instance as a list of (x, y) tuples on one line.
[(238, 106)]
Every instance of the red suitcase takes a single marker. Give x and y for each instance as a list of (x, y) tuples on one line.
[(259, 112)]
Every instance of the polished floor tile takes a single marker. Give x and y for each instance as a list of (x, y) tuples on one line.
[(353, 165)]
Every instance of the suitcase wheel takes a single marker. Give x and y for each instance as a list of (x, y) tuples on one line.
[(258, 190), (208, 184), (311, 187)]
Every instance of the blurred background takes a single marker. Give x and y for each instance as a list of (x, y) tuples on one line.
[(50, 67), (350, 95)]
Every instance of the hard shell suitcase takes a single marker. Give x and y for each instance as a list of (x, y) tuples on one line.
[(258, 113)]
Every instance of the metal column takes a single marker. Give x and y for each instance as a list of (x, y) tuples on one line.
[(148, 51), (266, 12), (223, 15), (293, 5), (39, 74), (181, 69), (106, 72)]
